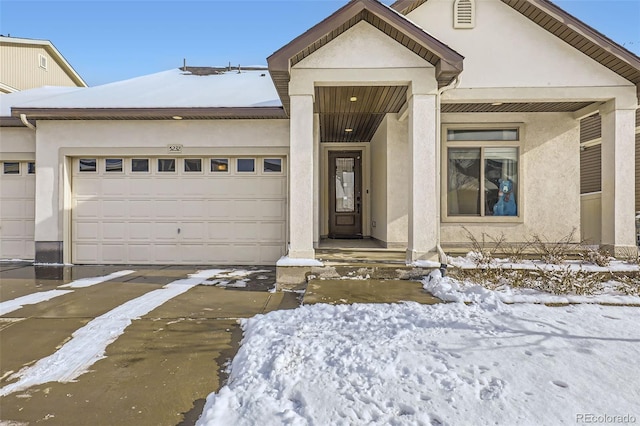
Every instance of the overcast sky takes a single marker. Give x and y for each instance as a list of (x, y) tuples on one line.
[(107, 41)]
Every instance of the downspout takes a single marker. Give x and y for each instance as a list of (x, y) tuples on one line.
[(441, 254), (23, 118)]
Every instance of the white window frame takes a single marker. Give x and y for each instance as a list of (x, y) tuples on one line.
[(255, 166), (220, 172), (270, 172), (518, 144)]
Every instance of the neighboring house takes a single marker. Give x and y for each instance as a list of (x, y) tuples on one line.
[(590, 177), (403, 124), (29, 63)]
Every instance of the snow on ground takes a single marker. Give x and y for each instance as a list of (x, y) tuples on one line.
[(448, 364), (453, 290), (88, 282), (468, 262), (30, 299), (89, 343), (234, 278)]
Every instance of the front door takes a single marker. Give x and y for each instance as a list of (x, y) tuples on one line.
[(345, 194)]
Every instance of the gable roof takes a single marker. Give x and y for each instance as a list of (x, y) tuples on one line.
[(51, 49), (197, 92), (447, 61), (8, 100), (568, 28)]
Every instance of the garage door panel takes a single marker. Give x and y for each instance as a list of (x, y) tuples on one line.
[(165, 231), (86, 252), (193, 231), (115, 188), (86, 187), (193, 208), (181, 217), (140, 231), (115, 209), (112, 253), (167, 208), (13, 228), (141, 209), (87, 231), (87, 209), (12, 208), (114, 231)]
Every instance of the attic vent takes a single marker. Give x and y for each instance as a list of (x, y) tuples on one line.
[(42, 61), (464, 14)]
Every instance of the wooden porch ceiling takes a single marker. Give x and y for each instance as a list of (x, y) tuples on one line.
[(363, 116)]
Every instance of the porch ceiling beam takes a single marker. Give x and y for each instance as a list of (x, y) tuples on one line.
[(404, 112), (587, 111)]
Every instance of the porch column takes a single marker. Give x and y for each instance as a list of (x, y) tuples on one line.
[(301, 199), (423, 191), (618, 178)]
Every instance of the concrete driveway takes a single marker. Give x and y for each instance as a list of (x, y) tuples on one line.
[(157, 372)]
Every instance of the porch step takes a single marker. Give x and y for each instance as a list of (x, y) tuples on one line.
[(366, 291), (340, 256)]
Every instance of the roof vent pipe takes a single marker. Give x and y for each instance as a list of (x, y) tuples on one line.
[(23, 118)]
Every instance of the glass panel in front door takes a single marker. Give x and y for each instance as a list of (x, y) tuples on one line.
[(345, 185)]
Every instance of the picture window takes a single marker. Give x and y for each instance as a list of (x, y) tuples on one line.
[(482, 174)]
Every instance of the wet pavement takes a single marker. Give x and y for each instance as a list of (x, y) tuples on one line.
[(158, 372)]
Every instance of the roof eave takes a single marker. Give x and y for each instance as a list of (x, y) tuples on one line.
[(198, 113)]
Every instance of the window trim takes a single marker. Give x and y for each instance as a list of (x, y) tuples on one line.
[(192, 172), (518, 144), (97, 169), (135, 172), (122, 165), (163, 172)]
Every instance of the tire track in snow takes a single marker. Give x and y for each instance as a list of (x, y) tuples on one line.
[(89, 343)]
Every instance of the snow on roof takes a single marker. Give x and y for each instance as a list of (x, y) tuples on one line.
[(10, 99), (174, 89)]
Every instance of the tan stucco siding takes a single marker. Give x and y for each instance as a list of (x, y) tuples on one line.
[(549, 197), (506, 49), (20, 68), (17, 143)]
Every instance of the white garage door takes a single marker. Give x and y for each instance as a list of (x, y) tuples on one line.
[(17, 209), (178, 210)]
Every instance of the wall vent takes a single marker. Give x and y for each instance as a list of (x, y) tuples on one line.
[(42, 61), (464, 14)]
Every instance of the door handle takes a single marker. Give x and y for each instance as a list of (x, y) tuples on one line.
[(358, 208)]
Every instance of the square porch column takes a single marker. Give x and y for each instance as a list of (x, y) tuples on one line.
[(301, 171), (423, 190), (618, 178)]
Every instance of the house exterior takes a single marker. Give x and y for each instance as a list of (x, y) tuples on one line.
[(30, 63), (411, 125)]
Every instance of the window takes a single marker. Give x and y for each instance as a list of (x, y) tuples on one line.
[(246, 165), (113, 165), (166, 165), (88, 165), (482, 172), (31, 168), (192, 165), (139, 165), (219, 165), (11, 168), (272, 165)]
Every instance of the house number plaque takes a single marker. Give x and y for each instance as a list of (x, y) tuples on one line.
[(174, 148)]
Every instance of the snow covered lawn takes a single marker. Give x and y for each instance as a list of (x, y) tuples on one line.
[(449, 364)]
